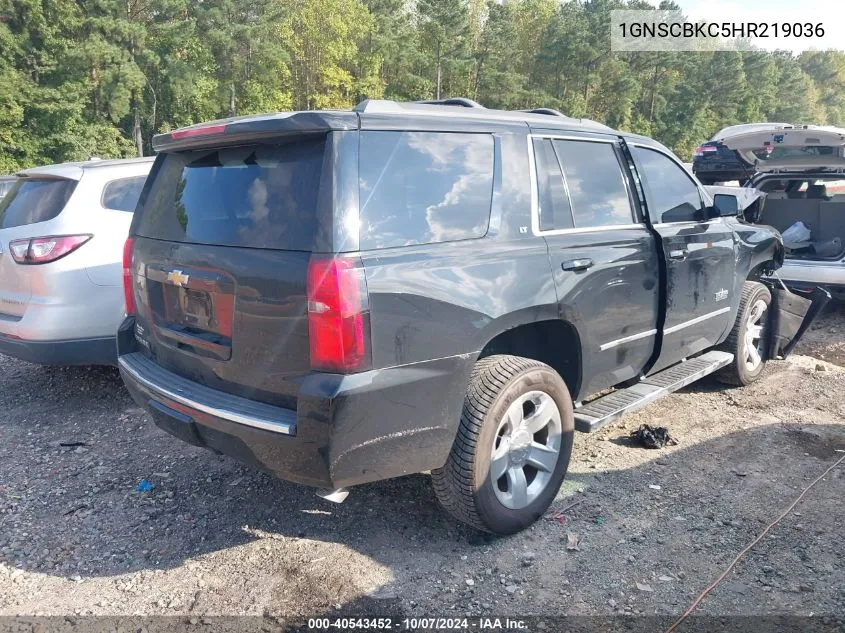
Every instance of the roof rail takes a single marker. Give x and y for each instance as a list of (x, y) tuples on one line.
[(452, 101), (549, 111), (372, 105)]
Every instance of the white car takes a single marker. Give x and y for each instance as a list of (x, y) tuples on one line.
[(804, 183), (62, 231)]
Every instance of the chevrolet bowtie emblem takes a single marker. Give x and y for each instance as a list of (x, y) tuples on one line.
[(177, 278)]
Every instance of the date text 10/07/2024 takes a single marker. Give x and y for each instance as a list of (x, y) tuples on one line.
[(418, 624)]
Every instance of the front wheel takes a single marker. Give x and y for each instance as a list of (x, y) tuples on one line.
[(513, 445), (748, 338)]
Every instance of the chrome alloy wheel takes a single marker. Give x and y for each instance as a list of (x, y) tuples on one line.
[(526, 449), (755, 341)]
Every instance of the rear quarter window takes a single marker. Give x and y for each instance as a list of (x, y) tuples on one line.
[(33, 200), (423, 187), (123, 194)]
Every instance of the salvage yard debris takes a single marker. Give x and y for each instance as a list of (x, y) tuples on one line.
[(653, 436)]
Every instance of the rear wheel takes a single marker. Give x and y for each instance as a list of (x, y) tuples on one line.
[(513, 446), (748, 338)]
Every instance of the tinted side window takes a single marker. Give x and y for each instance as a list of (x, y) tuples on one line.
[(595, 182), (671, 194), (123, 194), (424, 187), (553, 203), (32, 200)]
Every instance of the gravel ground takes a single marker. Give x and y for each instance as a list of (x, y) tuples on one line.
[(214, 538)]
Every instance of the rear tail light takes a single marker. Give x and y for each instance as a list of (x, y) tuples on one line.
[(42, 250), (338, 315), (128, 290)]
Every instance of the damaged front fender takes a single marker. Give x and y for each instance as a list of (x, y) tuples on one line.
[(791, 316)]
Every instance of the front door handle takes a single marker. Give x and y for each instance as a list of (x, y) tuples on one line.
[(679, 254), (577, 264)]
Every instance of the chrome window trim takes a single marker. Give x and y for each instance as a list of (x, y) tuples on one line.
[(689, 222), (627, 339), (703, 317), (535, 193), (570, 137), (593, 229)]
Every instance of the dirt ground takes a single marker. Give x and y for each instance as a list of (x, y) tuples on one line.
[(214, 538)]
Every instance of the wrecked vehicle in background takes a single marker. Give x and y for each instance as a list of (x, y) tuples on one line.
[(714, 162), (803, 178)]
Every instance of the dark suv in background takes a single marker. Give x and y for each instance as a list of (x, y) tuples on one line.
[(713, 161), (344, 297)]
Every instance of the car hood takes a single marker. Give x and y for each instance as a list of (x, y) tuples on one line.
[(789, 147)]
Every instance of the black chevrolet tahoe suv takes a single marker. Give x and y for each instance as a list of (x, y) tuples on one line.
[(342, 297)]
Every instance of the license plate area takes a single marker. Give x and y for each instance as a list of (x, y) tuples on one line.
[(197, 308), (192, 310)]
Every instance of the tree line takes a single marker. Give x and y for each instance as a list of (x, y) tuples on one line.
[(83, 78)]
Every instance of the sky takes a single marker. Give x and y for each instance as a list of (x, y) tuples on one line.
[(830, 13)]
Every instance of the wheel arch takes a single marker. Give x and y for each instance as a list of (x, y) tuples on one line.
[(554, 342), (758, 271)]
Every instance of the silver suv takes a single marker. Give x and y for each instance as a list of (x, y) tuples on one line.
[(62, 229)]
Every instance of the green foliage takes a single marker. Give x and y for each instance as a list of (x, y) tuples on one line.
[(324, 38), (81, 78)]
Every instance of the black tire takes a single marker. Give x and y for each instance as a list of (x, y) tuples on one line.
[(738, 373), (464, 485)]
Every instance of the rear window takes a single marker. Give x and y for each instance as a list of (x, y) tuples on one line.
[(123, 194), (258, 196), (32, 200), (424, 187)]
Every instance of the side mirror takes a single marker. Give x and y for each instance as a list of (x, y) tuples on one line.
[(725, 205)]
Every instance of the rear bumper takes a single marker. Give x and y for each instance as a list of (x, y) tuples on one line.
[(346, 430), (92, 351)]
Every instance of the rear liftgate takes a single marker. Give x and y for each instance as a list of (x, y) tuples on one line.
[(791, 316)]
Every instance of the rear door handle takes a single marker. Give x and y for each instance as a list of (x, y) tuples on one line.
[(679, 254), (577, 264)]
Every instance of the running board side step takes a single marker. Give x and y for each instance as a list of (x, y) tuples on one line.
[(607, 409)]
